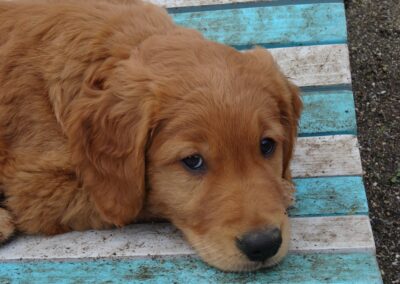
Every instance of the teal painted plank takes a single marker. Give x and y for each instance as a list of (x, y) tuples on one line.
[(310, 268), (328, 112), (286, 25), (329, 196)]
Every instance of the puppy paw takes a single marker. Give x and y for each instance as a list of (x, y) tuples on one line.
[(7, 226)]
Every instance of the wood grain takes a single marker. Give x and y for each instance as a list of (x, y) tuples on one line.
[(360, 268), (321, 65), (326, 156), (270, 26), (309, 235)]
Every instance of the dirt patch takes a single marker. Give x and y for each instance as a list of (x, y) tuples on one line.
[(374, 42)]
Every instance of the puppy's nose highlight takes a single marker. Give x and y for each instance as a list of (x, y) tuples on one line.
[(260, 245)]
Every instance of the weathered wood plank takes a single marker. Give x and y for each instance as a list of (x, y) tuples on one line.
[(329, 196), (328, 112), (287, 25), (330, 234), (313, 268), (322, 65), (309, 235), (199, 3), (326, 156)]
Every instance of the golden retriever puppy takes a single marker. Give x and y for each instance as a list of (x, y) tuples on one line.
[(110, 113)]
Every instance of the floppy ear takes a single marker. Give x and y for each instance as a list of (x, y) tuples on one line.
[(107, 127), (290, 114)]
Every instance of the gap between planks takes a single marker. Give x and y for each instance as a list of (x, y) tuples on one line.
[(346, 234)]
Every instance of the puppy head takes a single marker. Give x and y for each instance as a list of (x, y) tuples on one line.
[(218, 162), (211, 131)]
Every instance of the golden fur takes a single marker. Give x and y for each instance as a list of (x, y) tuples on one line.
[(100, 102)]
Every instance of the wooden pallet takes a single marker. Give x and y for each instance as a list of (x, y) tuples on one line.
[(332, 241)]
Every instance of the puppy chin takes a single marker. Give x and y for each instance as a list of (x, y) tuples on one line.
[(239, 263), (230, 259)]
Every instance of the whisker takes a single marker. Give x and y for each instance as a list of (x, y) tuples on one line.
[(202, 246)]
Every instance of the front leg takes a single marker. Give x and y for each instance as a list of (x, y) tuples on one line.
[(50, 202), (7, 226)]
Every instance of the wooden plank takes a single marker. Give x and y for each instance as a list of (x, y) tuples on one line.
[(216, 4), (332, 234), (199, 3), (271, 26), (328, 112), (322, 65), (314, 268), (326, 156), (309, 235), (329, 196)]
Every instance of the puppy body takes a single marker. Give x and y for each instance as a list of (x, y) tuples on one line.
[(97, 98), (46, 53)]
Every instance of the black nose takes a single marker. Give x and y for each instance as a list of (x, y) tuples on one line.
[(260, 245)]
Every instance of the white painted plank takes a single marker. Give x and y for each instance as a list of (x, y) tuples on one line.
[(309, 235), (190, 3), (332, 234), (335, 155), (315, 65)]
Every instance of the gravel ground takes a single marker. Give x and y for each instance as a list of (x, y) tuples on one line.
[(374, 42)]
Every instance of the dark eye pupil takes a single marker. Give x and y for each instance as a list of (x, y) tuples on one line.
[(267, 146), (194, 162)]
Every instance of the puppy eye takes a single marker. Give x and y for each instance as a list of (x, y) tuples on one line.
[(267, 146), (194, 162)]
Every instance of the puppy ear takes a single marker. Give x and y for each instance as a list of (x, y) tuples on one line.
[(107, 127), (290, 113)]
